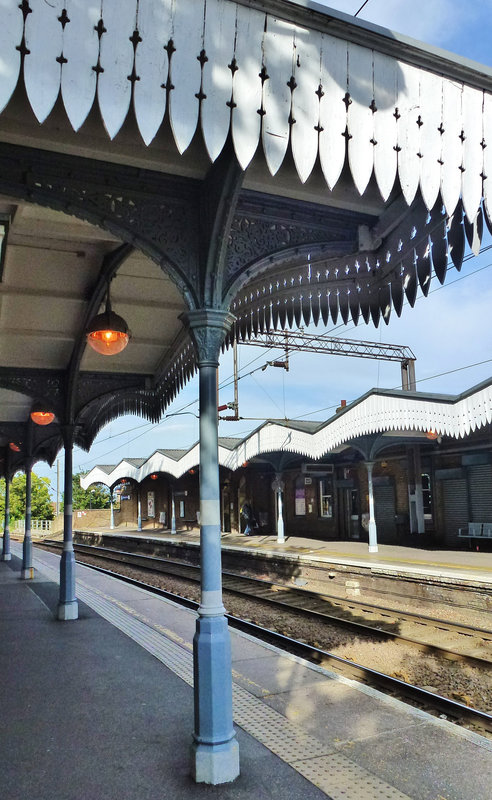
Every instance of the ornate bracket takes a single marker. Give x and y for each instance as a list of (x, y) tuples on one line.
[(156, 213), (208, 329), (269, 231)]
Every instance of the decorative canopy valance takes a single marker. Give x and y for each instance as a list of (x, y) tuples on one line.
[(222, 65), (378, 411)]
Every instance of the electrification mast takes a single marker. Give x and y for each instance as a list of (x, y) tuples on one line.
[(298, 341)]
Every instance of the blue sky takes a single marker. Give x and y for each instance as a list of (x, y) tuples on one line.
[(447, 331)]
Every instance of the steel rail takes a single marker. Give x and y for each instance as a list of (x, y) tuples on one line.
[(451, 708)]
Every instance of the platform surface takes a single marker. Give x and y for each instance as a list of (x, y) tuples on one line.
[(101, 708)]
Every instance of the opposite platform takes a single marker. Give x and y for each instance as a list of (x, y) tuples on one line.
[(89, 713), (391, 559)]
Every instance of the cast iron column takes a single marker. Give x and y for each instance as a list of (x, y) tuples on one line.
[(173, 511), (280, 531), (139, 510), (27, 571), (373, 534), (6, 554), (68, 607), (215, 751), (278, 488)]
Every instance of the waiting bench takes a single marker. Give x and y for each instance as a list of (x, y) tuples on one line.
[(476, 530)]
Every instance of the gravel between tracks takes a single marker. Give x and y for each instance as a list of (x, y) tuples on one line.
[(467, 684)]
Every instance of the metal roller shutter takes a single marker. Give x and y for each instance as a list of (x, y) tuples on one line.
[(384, 508), (480, 484), (456, 514)]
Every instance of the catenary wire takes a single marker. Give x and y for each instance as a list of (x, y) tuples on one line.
[(360, 9)]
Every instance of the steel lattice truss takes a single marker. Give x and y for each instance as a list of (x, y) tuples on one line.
[(333, 345)]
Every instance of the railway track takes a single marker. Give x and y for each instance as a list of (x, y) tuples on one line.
[(450, 640), (309, 603)]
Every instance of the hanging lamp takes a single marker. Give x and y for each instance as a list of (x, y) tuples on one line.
[(108, 333), (40, 415)]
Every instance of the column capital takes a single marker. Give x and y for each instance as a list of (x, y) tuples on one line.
[(68, 430), (208, 328), (29, 464)]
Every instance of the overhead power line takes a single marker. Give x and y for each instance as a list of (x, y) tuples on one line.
[(360, 9)]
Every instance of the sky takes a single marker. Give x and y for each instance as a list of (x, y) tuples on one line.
[(448, 331)]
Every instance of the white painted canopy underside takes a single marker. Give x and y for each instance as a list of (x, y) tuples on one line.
[(227, 66), (375, 413)]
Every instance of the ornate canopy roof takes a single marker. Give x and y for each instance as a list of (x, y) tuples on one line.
[(383, 417), (276, 159)]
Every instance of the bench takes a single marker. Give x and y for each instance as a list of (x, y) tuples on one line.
[(476, 530)]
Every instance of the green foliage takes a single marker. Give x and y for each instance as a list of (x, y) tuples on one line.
[(41, 507), (94, 497)]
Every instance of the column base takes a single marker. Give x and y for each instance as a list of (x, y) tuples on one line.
[(68, 610), (215, 764), (6, 557), (373, 548), (27, 574)]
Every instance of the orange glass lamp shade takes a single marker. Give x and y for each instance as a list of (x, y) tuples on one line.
[(154, 476), (15, 447), (432, 435), (108, 333), (42, 417)]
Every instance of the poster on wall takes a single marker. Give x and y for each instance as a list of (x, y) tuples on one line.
[(300, 502), (150, 505)]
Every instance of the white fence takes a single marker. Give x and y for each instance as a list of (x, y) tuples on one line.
[(37, 525)]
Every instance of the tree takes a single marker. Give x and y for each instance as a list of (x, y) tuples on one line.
[(41, 506), (97, 496)]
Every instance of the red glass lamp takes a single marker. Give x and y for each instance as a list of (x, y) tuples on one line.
[(14, 447), (108, 333), (432, 435), (154, 476)]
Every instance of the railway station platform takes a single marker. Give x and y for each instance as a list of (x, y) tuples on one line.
[(101, 708)]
